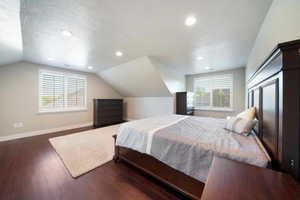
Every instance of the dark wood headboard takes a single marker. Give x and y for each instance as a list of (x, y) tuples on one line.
[(274, 89)]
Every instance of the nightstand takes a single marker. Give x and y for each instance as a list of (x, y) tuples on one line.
[(231, 180)]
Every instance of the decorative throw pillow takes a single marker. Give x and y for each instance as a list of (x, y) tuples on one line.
[(248, 114), (240, 125)]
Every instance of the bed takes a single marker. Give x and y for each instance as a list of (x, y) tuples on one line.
[(188, 144), (273, 90)]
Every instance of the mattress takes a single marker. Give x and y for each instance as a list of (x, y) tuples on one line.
[(188, 144)]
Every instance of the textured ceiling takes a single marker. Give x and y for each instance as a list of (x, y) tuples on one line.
[(224, 33), (10, 32)]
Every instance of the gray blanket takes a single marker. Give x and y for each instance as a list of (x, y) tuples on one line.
[(189, 144)]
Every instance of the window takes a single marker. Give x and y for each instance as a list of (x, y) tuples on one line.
[(61, 92), (213, 93)]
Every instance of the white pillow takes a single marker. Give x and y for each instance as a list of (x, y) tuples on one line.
[(240, 125)]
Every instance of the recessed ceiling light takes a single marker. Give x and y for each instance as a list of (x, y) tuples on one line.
[(90, 67), (66, 33), (208, 68), (190, 21), (119, 53), (200, 58)]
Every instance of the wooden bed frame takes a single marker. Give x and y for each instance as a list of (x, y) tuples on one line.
[(274, 89)]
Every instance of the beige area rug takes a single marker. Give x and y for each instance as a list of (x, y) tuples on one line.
[(84, 151)]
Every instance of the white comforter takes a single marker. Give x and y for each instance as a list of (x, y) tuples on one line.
[(189, 144)]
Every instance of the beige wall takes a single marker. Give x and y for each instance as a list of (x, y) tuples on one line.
[(143, 107), (280, 25), (238, 92), (19, 100)]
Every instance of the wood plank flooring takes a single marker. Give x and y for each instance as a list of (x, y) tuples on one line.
[(30, 169)]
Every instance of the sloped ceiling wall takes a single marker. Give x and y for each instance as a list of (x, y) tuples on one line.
[(141, 77), (174, 79), (11, 47)]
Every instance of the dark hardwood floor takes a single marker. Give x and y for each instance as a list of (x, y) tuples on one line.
[(30, 169)]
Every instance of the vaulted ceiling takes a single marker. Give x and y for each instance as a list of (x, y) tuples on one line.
[(11, 48), (223, 35)]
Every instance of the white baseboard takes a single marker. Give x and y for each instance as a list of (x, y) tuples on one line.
[(42, 132)]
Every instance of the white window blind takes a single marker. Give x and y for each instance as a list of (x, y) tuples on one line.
[(61, 92), (213, 92)]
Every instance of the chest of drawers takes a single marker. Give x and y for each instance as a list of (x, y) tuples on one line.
[(107, 112)]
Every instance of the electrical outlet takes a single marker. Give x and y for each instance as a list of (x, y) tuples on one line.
[(18, 124)]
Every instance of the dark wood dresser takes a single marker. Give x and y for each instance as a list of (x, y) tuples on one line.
[(231, 180), (181, 104), (107, 112)]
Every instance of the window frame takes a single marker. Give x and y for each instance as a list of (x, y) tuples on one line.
[(211, 107), (42, 110)]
